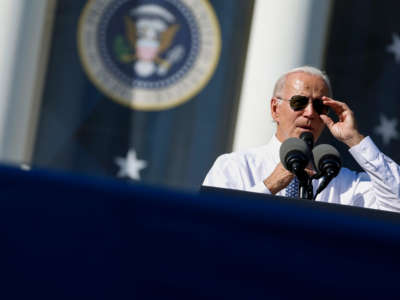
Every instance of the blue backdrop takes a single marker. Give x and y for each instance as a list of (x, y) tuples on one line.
[(81, 129), (364, 69)]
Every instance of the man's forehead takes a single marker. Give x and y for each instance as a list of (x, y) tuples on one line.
[(300, 81), (299, 84)]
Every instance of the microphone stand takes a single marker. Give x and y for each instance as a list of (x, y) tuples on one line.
[(305, 185)]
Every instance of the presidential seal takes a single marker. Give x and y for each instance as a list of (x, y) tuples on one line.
[(150, 54)]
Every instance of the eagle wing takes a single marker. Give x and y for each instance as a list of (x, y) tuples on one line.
[(167, 36), (130, 29)]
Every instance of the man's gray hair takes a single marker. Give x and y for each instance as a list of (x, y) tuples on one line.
[(280, 83)]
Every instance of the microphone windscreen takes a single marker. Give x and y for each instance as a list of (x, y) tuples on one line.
[(322, 151), (292, 144)]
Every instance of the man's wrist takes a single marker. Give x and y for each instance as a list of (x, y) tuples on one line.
[(274, 185), (270, 186), (354, 140)]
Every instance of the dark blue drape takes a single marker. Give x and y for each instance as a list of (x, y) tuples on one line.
[(364, 72), (81, 129)]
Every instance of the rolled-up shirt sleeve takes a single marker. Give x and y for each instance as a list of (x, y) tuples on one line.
[(384, 175)]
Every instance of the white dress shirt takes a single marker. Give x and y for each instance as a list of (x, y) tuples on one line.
[(378, 187)]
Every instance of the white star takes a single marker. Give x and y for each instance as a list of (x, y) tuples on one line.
[(25, 167), (395, 47), (387, 129), (130, 166)]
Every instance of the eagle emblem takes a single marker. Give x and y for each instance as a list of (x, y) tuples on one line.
[(149, 33)]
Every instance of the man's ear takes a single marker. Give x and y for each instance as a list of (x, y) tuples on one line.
[(274, 109)]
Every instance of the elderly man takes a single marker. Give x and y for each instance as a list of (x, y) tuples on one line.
[(300, 103)]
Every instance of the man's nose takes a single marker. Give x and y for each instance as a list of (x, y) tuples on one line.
[(309, 109)]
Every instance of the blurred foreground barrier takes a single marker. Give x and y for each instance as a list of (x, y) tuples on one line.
[(72, 237)]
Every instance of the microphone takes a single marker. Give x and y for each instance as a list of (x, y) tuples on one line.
[(328, 163), (295, 155), (308, 138)]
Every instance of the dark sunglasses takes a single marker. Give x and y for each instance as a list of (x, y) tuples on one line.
[(298, 102)]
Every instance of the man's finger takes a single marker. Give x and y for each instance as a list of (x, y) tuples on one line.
[(310, 172), (327, 120), (337, 106)]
